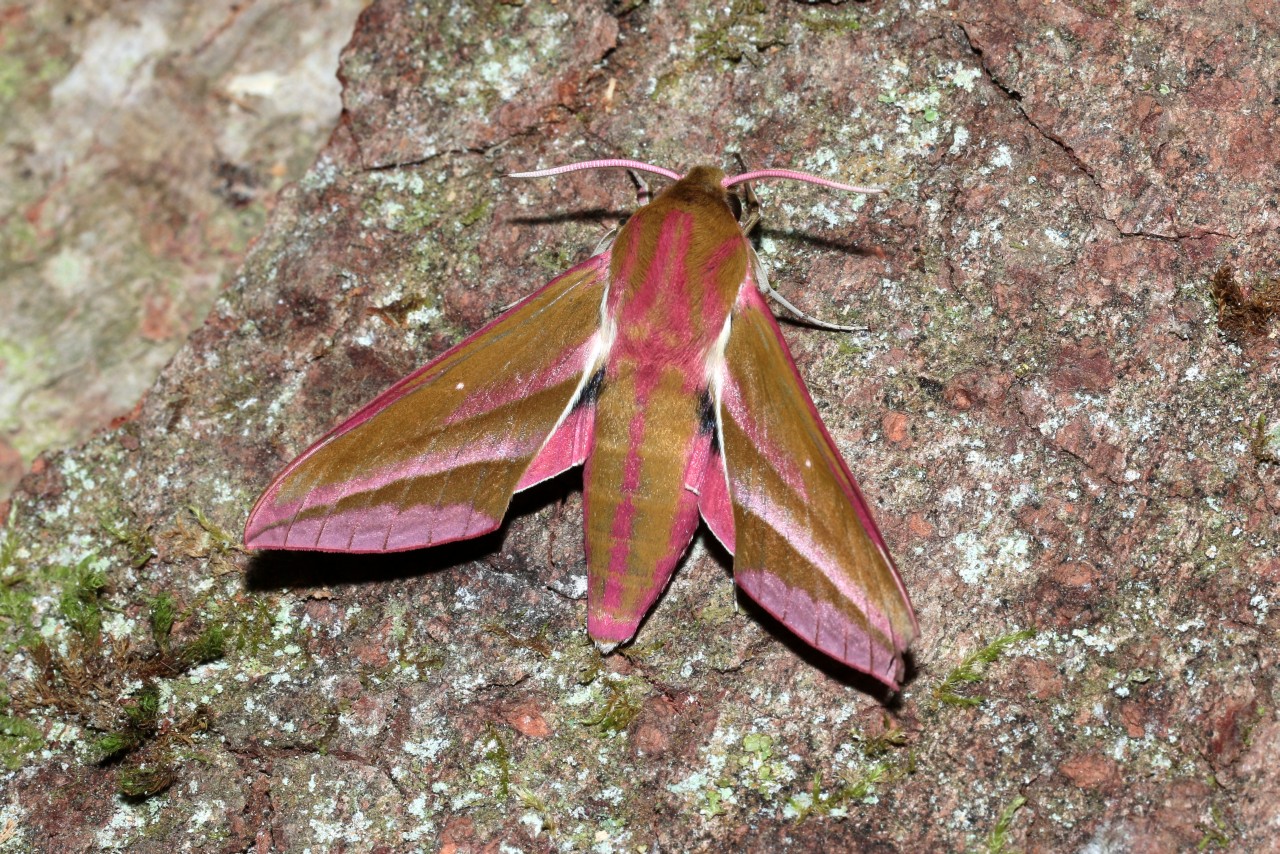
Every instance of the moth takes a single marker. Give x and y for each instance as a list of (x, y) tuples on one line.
[(658, 365)]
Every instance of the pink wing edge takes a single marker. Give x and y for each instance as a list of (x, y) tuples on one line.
[(566, 447)]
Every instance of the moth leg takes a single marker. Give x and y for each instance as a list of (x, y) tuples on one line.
[(749, 218), (642, 198), (762, 282), (607, 240), (747, 211), (750, 209), (642, 187)]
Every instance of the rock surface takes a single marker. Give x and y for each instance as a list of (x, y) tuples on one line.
[(141, 150), (1074, 462)]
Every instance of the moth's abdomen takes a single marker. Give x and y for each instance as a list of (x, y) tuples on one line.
[(639, 514)]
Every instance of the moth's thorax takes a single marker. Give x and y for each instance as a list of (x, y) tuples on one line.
[(677, 267)]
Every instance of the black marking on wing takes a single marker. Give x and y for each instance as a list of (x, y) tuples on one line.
[(590, 392), (707, 419)]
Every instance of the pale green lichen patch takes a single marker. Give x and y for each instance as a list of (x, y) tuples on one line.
[(403, 200)]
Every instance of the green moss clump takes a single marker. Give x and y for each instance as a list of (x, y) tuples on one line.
[(80, 603), (620, 709), (164, 611), (209, 646), (136, 540), (145, 709), (998, 838), (115, 744), (18, 737), (15, 603), (973, 669), (501, 758), (145, 781), (477, 213)]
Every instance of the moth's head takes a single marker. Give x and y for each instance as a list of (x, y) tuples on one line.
[(709, 179), (705, 183)]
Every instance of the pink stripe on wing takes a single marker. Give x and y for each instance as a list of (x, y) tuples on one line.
[(425, 374), (780, 459), (425, 465), (714, 503), (800, 538), (500, 393), (566, 448), (750, 299)]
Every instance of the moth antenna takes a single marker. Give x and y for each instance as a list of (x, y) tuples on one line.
[(791, 174), (598, 164)]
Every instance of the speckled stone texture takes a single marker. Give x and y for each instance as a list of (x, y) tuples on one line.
[(1053, 428), (141, 149)]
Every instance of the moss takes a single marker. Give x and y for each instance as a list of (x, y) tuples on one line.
[(621, 707), (973, 668), (80, 603), (730, 36), (163, 612), (537, 642), (16, 604), (210, 645), (758, 745), (855, 786), (1215, 833), (726, 43), (498, 754), (145, 781), (13, 73), (253, 631), (1264, 440), (16, 594), (889, 739), (840, 22), (403, 201), (106, 687), (1244, 312), (477, 213), (9, 563), (113, 744), (555, 261), (145, 709), (208, 541), (884, 761), (537, 805), (136, 540), (997, 841), (219, 534), (18, 737)]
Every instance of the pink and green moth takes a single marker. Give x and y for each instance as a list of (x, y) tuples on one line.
[(658, 365)]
